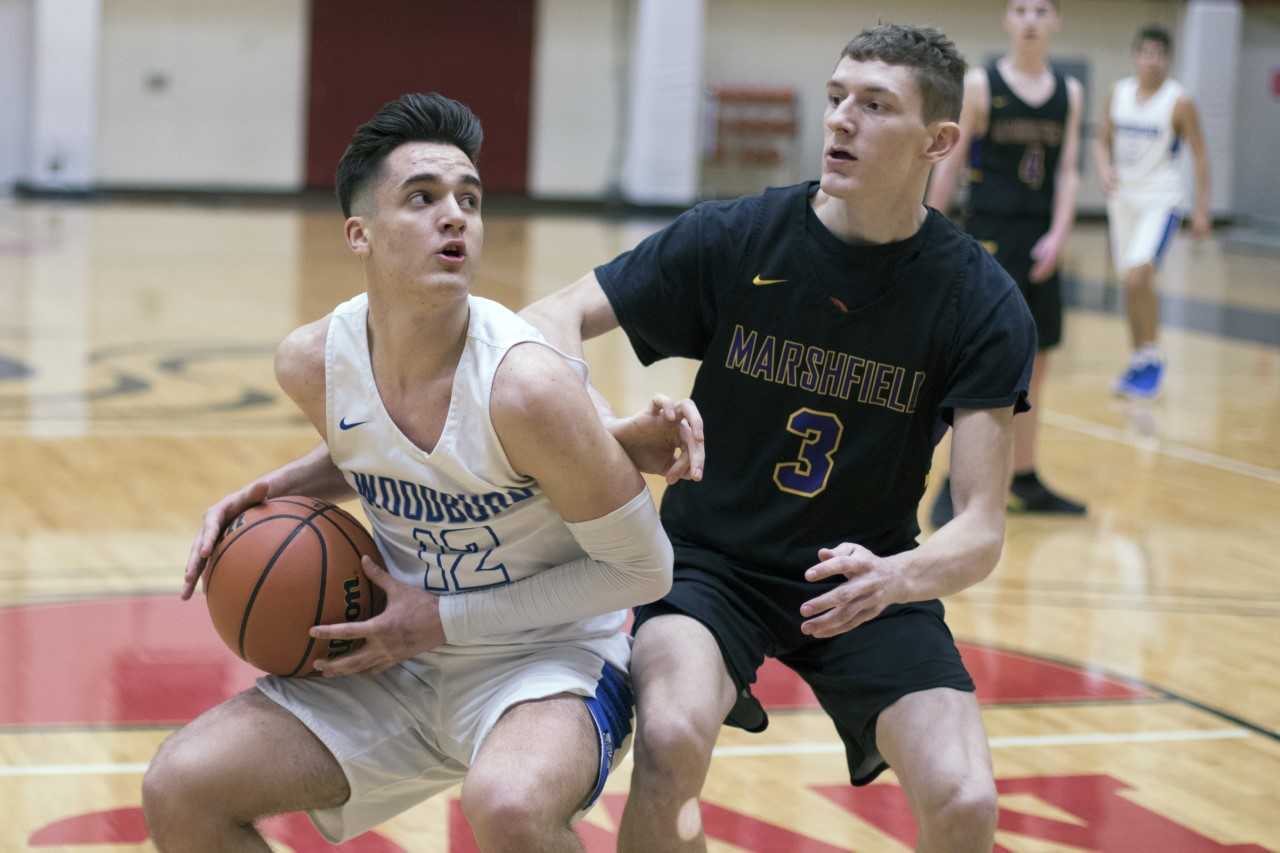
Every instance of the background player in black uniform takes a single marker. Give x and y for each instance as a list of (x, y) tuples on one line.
[(838, 323), (1020, 133)]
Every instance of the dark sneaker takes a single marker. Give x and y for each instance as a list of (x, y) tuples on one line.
[(943, 510), (1028, 494)]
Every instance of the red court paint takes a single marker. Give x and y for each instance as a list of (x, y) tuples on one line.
[(157, 660)]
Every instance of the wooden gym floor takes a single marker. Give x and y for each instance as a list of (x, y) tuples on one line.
[(1127, 661)]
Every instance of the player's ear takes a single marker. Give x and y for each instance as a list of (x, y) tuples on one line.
[(357, 234), (944, 136)]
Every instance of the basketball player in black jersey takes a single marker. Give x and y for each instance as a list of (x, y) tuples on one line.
[(1020, 133), (838, 323)]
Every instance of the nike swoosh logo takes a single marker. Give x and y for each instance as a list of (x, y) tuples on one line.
[(760, 282), (344, 426)]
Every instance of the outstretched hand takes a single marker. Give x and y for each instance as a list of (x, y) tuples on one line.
[(870, 588), (408, 625), (665, 438)]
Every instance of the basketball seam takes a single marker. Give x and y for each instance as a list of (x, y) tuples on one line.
[(262, 578), (324, 577), (208, 581)]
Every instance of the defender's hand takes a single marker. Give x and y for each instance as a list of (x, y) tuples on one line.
[(409, 625), (216, 518), (666, 438), (870, 588)]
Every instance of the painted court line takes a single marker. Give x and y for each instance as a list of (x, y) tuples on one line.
[(1176, 451), (813, 748), (1002, 742)]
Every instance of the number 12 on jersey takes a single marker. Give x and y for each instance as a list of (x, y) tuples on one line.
[(808, 475), (456, 558)]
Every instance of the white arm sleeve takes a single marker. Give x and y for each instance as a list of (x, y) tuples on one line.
[(628, 563)]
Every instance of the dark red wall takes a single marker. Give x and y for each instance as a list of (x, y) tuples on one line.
[(477, 51)]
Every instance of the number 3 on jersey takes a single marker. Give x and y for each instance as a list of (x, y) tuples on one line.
[(807, 476)]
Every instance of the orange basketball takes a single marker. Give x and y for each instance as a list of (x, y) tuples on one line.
[(280, 568)]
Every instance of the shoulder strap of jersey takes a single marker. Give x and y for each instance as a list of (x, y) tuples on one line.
[(996, 84)]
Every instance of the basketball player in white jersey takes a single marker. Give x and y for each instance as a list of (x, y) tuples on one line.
[(513, 527), (1147, 117)]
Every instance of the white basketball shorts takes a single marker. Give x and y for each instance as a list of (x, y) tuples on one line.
[(409, 733), (1141, 230)]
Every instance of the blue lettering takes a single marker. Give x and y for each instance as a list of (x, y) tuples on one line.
[(412, 503), (432, 500), (451, 503), (365, 486), (495, 502), (469, 501), (388, 490)]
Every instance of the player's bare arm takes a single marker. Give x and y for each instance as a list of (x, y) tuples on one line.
[(1186, 123), (959, 555), (543, 416), (666, 437), (1048, 249), (573, 314), (299, 366), (973, 123), (1102, 148)]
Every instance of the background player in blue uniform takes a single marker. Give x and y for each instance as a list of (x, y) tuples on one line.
[(838, 322), (1020, 132)]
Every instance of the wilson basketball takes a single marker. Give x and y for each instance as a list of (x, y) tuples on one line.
[(280, 568)]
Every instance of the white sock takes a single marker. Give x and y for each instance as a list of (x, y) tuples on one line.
[(1148, 354)]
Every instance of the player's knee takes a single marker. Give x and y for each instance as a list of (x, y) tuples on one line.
[(173, 789), (965, 814), (673, 746), (506, 815), (1139, 277)]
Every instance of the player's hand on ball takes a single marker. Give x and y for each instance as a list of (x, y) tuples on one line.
[(408, 625), (870, 588), (216, 518), (665, 438)]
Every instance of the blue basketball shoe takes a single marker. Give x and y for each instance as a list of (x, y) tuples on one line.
[(1141, 380)]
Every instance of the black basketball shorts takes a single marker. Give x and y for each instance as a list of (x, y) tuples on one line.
[(855, 675), (1010, 239)]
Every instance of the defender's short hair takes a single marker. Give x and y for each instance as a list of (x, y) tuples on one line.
[(410, 118), (939, 68), (1156, 33)]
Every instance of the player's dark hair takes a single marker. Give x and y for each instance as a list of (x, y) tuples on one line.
[(410, 118), (939, 67), (1156, 33)]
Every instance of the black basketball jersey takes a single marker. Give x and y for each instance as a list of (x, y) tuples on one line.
[(828, 370), (1014, 167)]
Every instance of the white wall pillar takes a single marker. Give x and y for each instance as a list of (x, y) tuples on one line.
[(1209, 67), (15, 85), (662, 158), (64, 93)]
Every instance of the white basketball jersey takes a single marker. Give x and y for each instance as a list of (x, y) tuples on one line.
[(1145, 146), (459, 518)]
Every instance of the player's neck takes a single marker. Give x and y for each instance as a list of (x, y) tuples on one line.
[(1031, 61), (1146, 90), (412, 342), (865, 224)]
